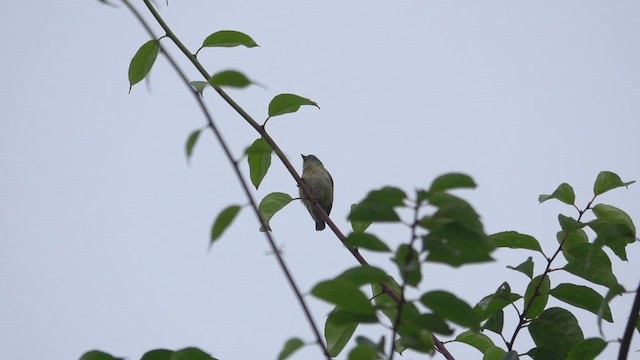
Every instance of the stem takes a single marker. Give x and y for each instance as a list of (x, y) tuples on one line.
[(631, 324), (242, 182)]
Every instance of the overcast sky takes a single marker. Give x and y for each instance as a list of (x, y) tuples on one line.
[(105, 226)]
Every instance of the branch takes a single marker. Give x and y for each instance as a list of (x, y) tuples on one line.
[(242, 181), (631, 324)]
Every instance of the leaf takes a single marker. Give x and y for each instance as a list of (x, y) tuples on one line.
[(583, 297), (157, 354), (569, 224), (452, 181), (494, 353), (292, 345), (535, 301), (525, 267), (359, 226), (288, 103), (456, 245), (495, 302), (564, 193), (379, 206), (259, 159), (515, 240), (364, 352), (542, 353), (556, 329), (418, 322), (345, 294), (199, 86), (495, 322), (452, 308), (230, 78), (224, 219), (478, 340), (386, 304), (606, 181), (228, 38), (568, 241), (143, 61), (191, 142), (191, 353), (98, 355), (511, 355), (587, 349), (615, 215), (336, 334), (590, 263), (271, 204), (408, 262), (363, 240), (614, 228), (364, 274)]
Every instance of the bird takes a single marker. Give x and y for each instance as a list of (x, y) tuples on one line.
[(320, 183)]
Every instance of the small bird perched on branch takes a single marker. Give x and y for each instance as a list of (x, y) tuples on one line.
[(320, 183)]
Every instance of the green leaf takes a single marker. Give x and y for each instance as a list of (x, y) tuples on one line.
[(337, 334), (478, 340), (199, 86), (346, 317), (556, 329), (452, 308), (569, 224), (495, 302), (408, 262), (542, 353), (191, 142), (364, 274), (288, 103), (534, 300), (271, 204), (582, 297), (452, 181), (292, 345), (386, 304), (364, 352), (157, 354), (345, 294), (143, 61), (456, 245), (224, 219), (359, 226), (421, 341), (568, 241), (614, 228), (606, 181), (98, 355), (515, 240), (494, 353), (511, 355), (525, 268), (452, 209), (191, 353), (415, 323), (379, 206), (228, 38), (614, 215), (587, 349), (230, 78), (590, 263), (367, 241), (564, 193), (259, 159), (495, 322)]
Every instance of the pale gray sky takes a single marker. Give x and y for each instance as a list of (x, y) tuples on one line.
[(105, 227)]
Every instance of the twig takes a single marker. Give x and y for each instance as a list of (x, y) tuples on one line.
[(631, 324)]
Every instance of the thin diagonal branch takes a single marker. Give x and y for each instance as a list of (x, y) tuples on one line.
[(631, 324), (243, 183)]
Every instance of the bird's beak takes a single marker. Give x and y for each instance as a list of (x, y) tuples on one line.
[(303, 157)]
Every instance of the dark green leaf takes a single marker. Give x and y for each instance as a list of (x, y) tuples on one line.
[(452, 308), (542, 353), (364, 275), (615, 215), (494, 353), (98, 355), (456, 245), (452, 209), (421, 341), (525, 268), (143, 61), (191, 142), (288, 103), (536, 296), (408, 262), (367, 241), (614, 229), (478, 340), (606, 181), (511, 355), (564, 193), (388, 195), (223, 220), (569, 224), (568, 241), (452, 181), (228, 38), (590, 263), (292, 345), (415, 323), (582, 297), (556, 329), (271, 204), (345, 294), (199, 86), (379, 206), (587, 349), (157, 354), (259, 159), (386, 304), (230, 78), (191, 353), (364, 352), (359, 226), (495, 322), (337, 334), (346, 317), (515, 240), (495, 302)]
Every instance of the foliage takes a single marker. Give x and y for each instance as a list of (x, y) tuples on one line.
[(444, 229)]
